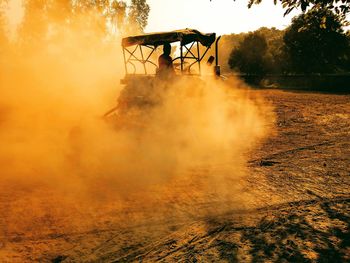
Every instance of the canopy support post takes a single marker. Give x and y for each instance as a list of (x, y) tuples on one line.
[(126, 68), (198, 59), (217, 67), (143, 60), (182, 67)]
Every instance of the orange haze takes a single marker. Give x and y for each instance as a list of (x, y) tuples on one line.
[(63, 167)]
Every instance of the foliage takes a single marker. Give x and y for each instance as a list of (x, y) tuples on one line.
[(138, 15), (89, 18), (251, 55), (117, 13), (275, 55), (339, 7), (227, 44), (315, 42), (270, 60)]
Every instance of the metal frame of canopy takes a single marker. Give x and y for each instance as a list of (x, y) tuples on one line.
[(189, 39)]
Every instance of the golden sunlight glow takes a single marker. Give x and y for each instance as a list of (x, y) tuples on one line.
[(220, 16), (14, 15)]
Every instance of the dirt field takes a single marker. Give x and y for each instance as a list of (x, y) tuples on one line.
[(292, 206)]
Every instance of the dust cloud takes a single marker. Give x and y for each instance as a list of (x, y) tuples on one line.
[(60, 160)]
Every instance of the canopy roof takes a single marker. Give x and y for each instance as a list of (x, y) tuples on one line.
[(185, 36)]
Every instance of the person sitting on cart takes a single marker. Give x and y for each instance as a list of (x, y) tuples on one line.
[(165, 62)]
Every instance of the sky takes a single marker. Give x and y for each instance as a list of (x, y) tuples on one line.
[(220, 16)]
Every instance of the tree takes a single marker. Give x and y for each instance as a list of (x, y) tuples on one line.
[(275, 54), (227, 44), (138, 15), (50, 20), (347, 55), (340, 7), (90, 18), (117, 13), (250, 55), (315, 42)]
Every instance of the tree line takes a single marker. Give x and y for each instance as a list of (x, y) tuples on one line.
[(315, 42), (45, 21)]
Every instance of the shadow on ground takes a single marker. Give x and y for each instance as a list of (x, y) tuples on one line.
[(306, 231)]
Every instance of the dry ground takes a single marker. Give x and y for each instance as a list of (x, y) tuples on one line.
[(294, 205)]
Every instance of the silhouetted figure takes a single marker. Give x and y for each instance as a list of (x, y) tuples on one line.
[(165, 62)]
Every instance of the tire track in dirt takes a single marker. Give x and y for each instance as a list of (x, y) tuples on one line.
[(300, 209), (281, 215), (224, 223)]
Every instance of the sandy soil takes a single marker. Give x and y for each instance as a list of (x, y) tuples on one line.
[(292, 206)]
